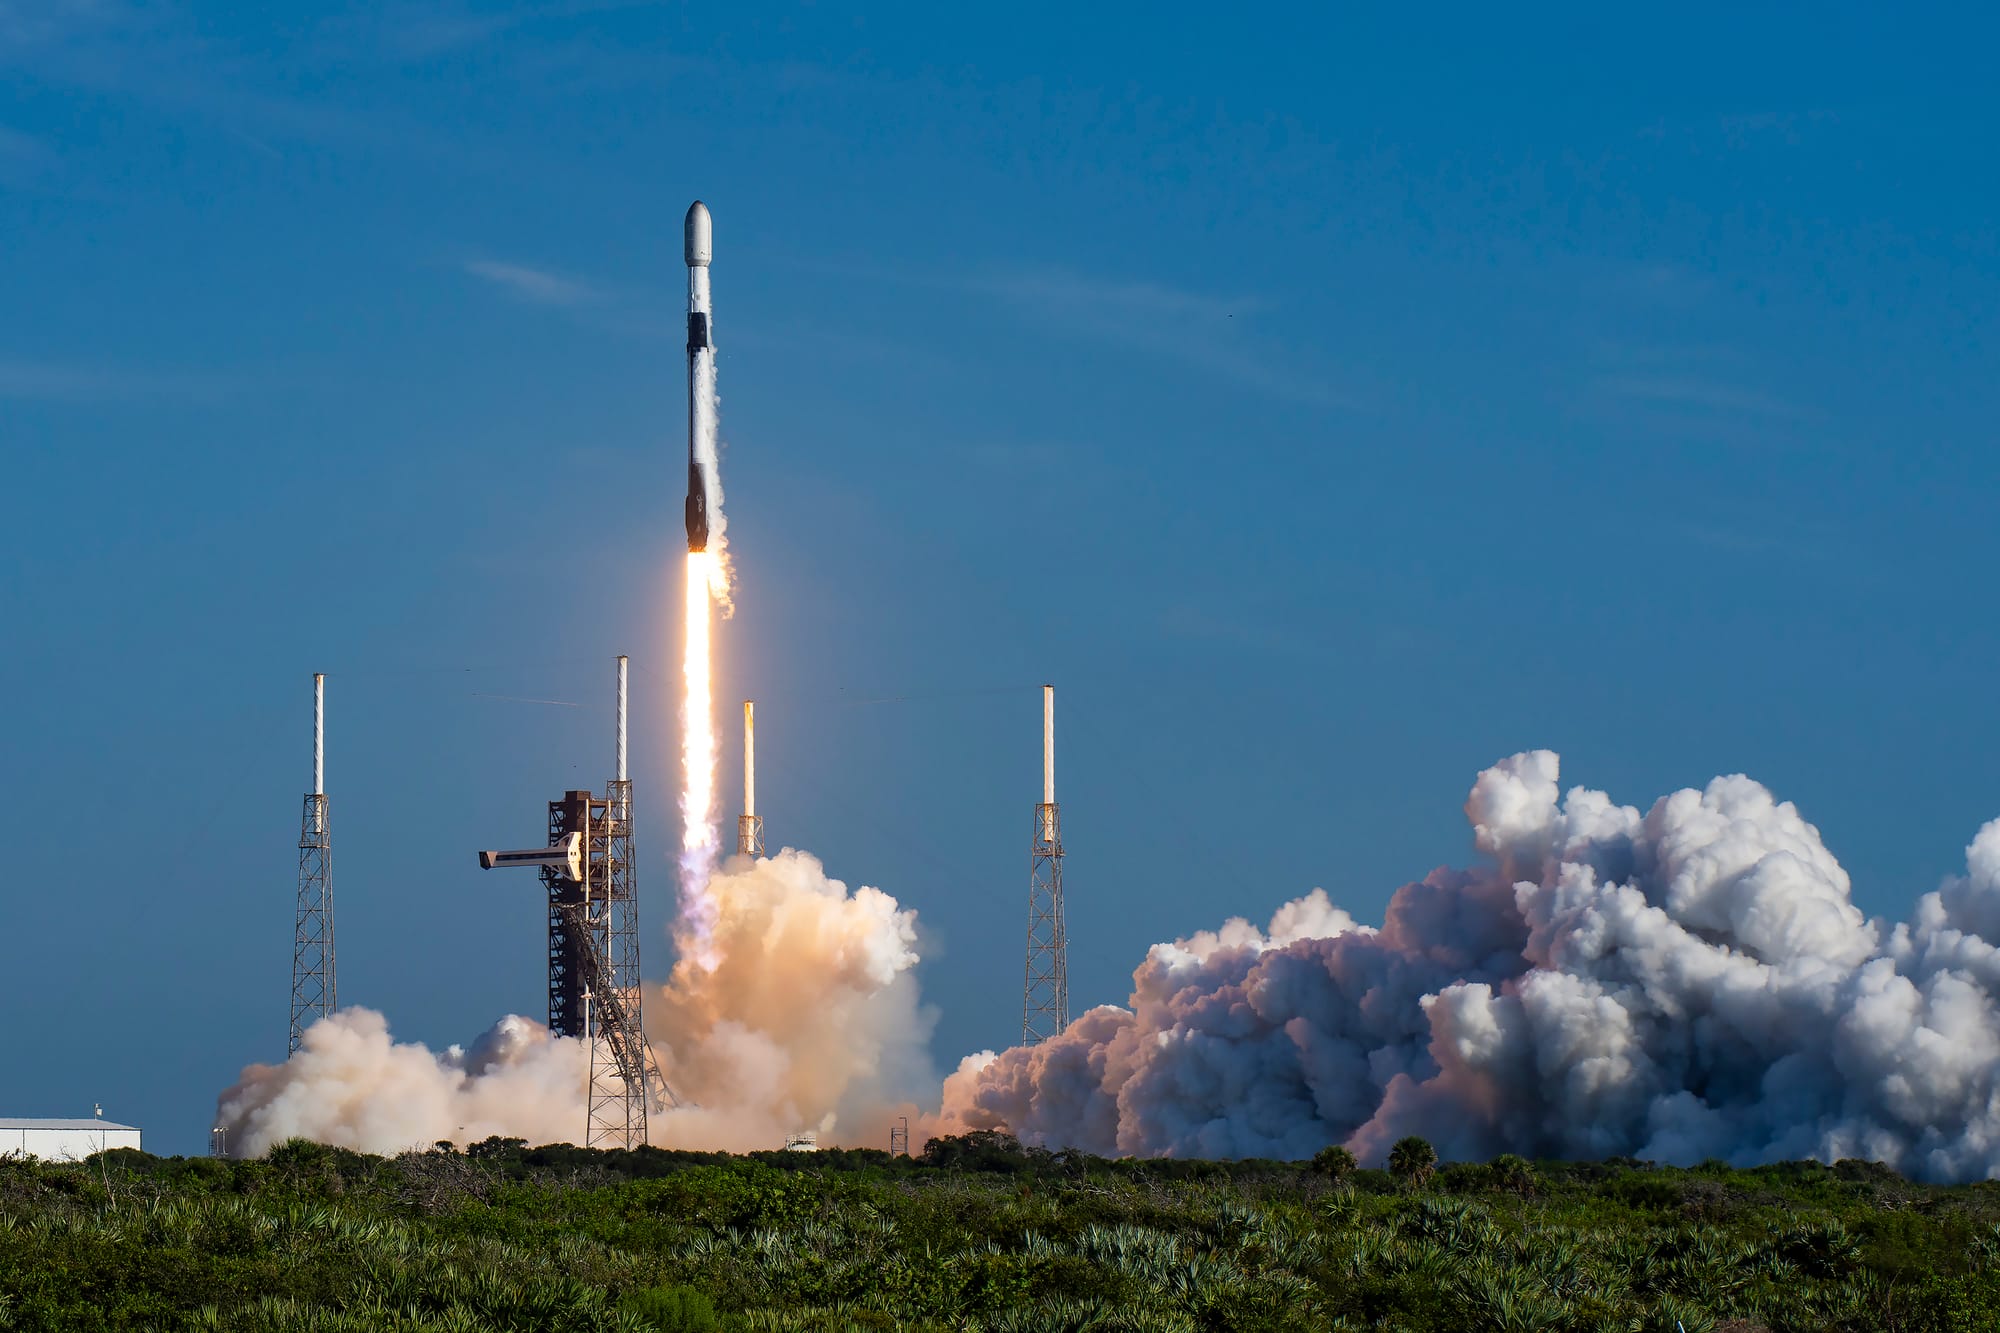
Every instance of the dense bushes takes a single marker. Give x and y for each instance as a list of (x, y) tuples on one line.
[(979, 1233)]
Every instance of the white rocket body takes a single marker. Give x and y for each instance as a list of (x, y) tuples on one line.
[(698, 248)]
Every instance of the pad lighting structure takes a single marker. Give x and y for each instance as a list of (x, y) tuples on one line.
[(312, 936), (594, 986), (750, 824), (899, 1137), (1045, 992)]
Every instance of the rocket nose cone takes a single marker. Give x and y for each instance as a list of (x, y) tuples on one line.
[(700, 244)]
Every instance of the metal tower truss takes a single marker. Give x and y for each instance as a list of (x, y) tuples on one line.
[(594, 985), (620, 1056), (312, 936), (1045, 996)]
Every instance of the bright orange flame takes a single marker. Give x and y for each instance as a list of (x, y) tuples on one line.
[(699, 839)]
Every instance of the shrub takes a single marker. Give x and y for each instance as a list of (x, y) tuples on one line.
[(1412, 1160), (1335, 1163), (672, 1309), (981, 1150)]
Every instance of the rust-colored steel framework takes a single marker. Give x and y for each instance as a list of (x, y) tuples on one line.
[(1045, 992), (312, 936)]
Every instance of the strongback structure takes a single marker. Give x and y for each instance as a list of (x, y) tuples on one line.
[(594, 985), (1045, 993), (625, 1078), (750, 824), (312, 939)]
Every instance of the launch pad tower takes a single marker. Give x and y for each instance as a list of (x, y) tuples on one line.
[(1045, 993), (312, 936), (594, 985)]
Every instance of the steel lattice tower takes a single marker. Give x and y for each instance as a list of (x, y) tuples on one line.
[(593, 966), (312, 937), (625, 1077), (749, 824), (1045, 992), (587, 869)]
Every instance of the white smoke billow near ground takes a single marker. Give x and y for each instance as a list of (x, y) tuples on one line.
[(1686, 983), (350, 1085), (809, 1019), (1689, 982)]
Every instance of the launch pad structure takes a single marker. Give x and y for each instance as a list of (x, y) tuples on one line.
[(594, 983), (1045, 991), (313, 996)]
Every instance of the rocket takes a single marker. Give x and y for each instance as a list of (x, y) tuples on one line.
[(700, 248)]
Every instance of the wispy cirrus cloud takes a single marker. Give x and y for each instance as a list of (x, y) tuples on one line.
[(1694, 394), (37, 23), (23, 157), (419, 32), (1210, 330), (536, 286), (1700, 399), (56, 381), (1106, 305), (16, 146)]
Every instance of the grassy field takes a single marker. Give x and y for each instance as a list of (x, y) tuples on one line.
[(979, 1234)]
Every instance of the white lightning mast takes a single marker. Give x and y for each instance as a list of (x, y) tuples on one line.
[(750, 824), (312, 936), (1045, 992)]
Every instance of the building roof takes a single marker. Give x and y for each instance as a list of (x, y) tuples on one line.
[(18, 1122)]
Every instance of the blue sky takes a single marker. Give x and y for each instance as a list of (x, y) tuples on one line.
[(1329, 404)]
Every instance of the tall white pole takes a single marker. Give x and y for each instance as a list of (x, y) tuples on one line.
[(1048, 745), (623, 776), (749, 757), (319, 733)]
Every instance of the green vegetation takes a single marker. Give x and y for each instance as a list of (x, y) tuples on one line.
[(980, 1234)]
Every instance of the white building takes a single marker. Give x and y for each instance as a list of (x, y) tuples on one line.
[(63, 1140)]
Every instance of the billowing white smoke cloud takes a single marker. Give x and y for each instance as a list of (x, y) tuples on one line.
[(809, 1020), (350, 1085), (1692, 982)]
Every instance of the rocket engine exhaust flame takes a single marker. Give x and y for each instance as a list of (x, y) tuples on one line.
[(699, 838)]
